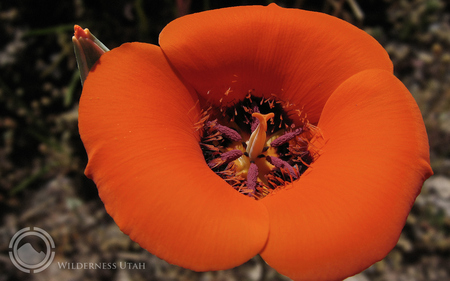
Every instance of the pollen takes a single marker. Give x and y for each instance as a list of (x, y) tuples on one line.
[(255, 146)]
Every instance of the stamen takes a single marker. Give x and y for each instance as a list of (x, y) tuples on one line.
[(258, 137), (231, 155), (226, 157), (252, 176), (210, 147), (282, 165), (255, 121), (227, 132), (286, 137)]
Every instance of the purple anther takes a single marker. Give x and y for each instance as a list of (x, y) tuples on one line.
[(285, 138), (231, 155), (225, 157), (252, 176), (227, 132), (255, 124), (281, 164), (255, 121)]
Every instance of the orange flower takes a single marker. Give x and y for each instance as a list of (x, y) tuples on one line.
[(256, 130)]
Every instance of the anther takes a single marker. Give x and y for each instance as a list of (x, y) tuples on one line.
[(231, 155), (227, 132), (252, 176), (255, 121), (285, 138), (225, 157), (281, 164)]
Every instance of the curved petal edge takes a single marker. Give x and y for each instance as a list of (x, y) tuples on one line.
[(347, 211), (136, 120)]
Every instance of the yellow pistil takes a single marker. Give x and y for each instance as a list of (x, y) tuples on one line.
[(257, 140)]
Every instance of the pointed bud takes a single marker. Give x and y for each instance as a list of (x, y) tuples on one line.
[(88, 49)]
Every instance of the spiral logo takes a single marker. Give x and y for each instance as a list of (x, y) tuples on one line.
[(24, 255)]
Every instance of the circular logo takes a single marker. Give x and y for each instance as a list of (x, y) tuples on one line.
[(24, 256)]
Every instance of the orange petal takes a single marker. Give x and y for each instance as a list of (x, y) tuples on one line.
[(298, 55), (136, 120), (347, 211)]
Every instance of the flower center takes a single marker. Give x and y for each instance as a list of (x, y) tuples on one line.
[(254, 145)]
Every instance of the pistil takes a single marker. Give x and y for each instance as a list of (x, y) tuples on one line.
[(257, 140)]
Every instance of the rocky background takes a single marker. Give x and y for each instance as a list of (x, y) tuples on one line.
[(42, 158)]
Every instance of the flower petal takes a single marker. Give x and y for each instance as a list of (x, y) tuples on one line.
[(136, 120), (348, 209), (300, 56)]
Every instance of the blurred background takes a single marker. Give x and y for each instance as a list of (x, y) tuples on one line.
[(42, 158)]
